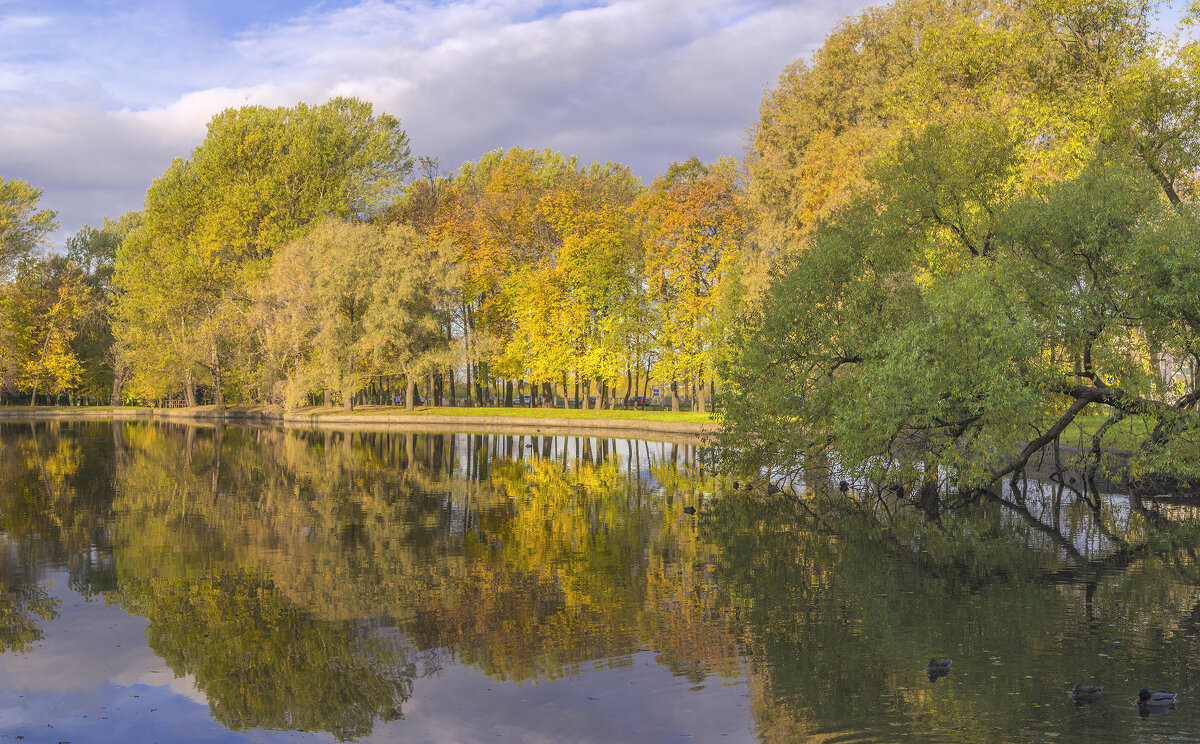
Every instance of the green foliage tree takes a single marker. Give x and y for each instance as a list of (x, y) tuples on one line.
[(352, 301), (261, 177), (999, 265), (94, 251), (23, 227)]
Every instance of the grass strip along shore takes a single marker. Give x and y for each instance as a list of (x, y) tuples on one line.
[(491, 417)]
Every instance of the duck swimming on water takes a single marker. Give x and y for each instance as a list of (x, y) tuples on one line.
[(1086, 694), (1154, 702), (938, 668), (1154, 697)]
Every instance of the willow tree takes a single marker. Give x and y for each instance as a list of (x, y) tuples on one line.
[(350, 302), (995, 263), (261, 178)]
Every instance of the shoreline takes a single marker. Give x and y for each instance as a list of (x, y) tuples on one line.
[(431, 422)]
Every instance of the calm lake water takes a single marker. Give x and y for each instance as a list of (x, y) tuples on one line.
[(178, 583)]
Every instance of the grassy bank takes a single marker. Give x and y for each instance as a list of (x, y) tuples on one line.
[(488, 416), (67, 409), (558, 413)]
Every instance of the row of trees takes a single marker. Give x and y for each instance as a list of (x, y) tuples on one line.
[(293, 259)]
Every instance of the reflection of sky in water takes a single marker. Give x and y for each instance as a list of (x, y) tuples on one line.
[(93, 679), (1061, 508), (1071, 519)]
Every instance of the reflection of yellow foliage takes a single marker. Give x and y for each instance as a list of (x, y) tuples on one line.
[(527, 568)]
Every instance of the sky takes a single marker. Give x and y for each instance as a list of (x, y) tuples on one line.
[(97, 96)]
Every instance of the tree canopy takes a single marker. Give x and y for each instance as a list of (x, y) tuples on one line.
[(23, 227), (212, 223), (1010, 246)]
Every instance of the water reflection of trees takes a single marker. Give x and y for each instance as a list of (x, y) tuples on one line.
[(526, 557), (848, 617), (263, 662), (55, 484), (307, 579)]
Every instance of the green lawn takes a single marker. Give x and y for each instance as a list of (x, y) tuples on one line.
[(567, 413), (73, 408), (1124, 435)]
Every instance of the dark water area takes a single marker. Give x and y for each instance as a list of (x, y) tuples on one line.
[(180, 583)]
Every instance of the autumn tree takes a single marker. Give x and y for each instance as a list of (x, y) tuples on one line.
[(41, 312), (41, 299), (513, 214), (695, 224), (1050, 66), (492, 217), (573, 309)]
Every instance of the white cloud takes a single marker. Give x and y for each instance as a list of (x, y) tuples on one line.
[(23, 23), (642, 82)]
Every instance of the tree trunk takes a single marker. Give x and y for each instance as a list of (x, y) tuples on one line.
[(701, 397), (508, 393), (453, 394), (628, 386), (674, 395), (930, 501), (189, 389), (410, 393), (118, 379), (218, 394), (38, 380)]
